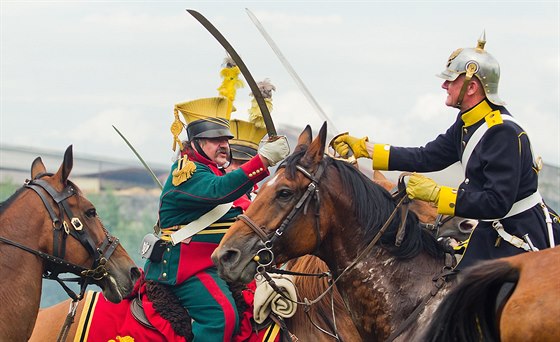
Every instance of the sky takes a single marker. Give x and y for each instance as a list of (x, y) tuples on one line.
[(69, 70)]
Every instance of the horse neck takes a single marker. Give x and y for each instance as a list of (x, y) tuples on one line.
[(378, 289), (21, 271)]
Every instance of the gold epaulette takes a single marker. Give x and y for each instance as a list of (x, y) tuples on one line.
[(183, 172)]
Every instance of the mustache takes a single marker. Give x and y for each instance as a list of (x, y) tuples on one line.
[(223, 150)]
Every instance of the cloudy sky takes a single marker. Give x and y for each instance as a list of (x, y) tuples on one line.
[(71, 69)]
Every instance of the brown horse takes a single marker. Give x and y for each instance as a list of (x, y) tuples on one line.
[(319, 205), (530, 313), (330, 313), (48, 227)]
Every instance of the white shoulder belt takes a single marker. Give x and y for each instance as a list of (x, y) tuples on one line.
[(199, 224)]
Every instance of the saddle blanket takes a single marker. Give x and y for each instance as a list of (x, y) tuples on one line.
[(103, 321)]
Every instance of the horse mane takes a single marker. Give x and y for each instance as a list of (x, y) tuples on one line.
[(313, 287), (372, 205), (5, 204)]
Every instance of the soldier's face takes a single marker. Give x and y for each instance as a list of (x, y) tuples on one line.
[(217, 149), (453, 89)]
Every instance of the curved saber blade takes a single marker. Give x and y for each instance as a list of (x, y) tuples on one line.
[(291, 71), (242, 67), (156, 180)]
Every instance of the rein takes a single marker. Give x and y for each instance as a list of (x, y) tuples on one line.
[(265, 257)]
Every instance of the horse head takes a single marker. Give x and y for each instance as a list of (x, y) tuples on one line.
[(58, 223), (291, 215)]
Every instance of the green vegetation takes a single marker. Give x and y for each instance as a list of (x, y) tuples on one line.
[(7, 189)]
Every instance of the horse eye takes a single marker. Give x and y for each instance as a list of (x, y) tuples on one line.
[(91, 212), (284, 194)]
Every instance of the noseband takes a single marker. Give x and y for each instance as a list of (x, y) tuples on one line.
[(55, 264), (265, 256)]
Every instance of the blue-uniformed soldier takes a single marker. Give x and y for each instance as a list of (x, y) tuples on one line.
[(500, 169), (190, 202)]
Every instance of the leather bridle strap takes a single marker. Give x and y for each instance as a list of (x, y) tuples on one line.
[(258, 230)]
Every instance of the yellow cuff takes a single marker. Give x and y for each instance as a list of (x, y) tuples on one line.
[(447, 201), (380, 156)]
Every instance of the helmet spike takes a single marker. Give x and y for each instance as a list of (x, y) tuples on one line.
[(481, 41)]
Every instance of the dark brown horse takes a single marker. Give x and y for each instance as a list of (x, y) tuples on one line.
[(530, 313), (318, 205), (47, 228), (330, 314)]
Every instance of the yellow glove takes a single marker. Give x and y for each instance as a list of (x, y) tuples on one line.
[(344, 143), (422, 188)]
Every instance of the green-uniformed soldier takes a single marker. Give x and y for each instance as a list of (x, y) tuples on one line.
[(196, 186), (501, 172)]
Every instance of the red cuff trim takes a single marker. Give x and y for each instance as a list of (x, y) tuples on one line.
[(255, 170)]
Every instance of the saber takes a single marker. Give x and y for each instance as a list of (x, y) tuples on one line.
[(156, 180), (246, 74), (291, 71)]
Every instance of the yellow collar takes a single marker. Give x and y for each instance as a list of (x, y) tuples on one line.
[(476, 113)]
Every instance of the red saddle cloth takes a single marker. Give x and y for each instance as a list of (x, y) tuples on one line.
[(103, 321)]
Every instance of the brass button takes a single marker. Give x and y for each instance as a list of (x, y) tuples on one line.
[(164, 261), (467, 181), (464, 143), (164, 275)]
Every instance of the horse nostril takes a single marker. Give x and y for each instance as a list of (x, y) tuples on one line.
[(230, 256), (466, 226), (135, 273)]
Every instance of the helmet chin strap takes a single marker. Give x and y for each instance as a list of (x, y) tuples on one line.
[(199, 149), (472, 68)]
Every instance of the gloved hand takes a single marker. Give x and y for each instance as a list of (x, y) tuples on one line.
[(422, 188), (275, 150), (344, 143)]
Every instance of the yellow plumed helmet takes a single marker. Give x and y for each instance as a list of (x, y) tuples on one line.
[(246, 139), (206, 118)]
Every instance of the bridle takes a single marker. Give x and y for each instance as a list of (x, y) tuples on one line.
[(265, 256), (55, 263)]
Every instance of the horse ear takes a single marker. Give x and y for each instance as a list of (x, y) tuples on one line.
[(378, 176), (37, 167), (304, 139), (67, 164), (316, 149)]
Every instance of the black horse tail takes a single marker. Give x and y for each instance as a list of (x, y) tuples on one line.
[(470, 310)]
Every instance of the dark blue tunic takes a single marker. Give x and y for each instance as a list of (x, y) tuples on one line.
[(499, 173)]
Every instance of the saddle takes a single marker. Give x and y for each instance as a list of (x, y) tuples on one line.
[(137, 311)]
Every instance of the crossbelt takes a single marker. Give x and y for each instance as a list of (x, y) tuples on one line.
[(522, 205)]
